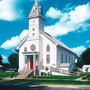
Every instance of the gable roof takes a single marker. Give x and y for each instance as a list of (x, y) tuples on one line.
[(22, 41), (57, 42)]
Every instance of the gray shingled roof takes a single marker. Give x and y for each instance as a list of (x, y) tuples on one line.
[(57, 42)]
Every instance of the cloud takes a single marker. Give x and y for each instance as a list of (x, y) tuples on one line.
[(7, 10), (53, 13), (88, 42), (5, 60), (38, 0), (70, 21), (4, 57), (78, 50), (14, 41)]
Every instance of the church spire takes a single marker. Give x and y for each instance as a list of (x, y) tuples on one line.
[(36, 11)]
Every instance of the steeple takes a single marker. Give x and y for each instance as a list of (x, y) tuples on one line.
[(36, 11)]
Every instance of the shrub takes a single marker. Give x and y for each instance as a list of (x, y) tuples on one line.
[(55, 77), (7, 74)]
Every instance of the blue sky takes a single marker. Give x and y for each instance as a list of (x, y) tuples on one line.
[(66, 20)]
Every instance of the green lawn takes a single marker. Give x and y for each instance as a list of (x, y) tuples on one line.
[(54, 80), (6, 74), (85, 74)]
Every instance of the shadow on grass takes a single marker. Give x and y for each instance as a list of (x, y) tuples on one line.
[(21, 87)]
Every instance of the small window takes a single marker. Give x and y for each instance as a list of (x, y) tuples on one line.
[(33, 34), (33, 47), (61, 58), (66, 59), (41, 22), (33, 21), (48, 59), (69, 59), (33, 29), (25, 49), (48, 48)]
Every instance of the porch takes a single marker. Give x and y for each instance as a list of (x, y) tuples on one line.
[(31, 63)]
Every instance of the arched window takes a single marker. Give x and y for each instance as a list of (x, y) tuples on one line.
[(33, 29), (48, 58), (48, 48), (25, 49)]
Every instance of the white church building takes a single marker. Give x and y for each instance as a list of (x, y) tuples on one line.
[(39, 52)]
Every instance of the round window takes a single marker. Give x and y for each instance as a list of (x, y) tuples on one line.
[(33, 47)]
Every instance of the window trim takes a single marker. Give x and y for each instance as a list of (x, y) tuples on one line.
[(33, 29), (48, 48), (25, 49), (62, 58), (48, 58)]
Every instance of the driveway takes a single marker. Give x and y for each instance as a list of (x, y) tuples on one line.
[(67, 87)]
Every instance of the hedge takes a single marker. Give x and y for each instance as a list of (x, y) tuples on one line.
[(7, 74), (55, 77)]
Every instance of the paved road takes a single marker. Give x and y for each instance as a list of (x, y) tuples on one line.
[(67, 88), (41, 87)]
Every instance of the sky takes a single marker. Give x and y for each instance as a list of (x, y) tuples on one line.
[(66, 20)]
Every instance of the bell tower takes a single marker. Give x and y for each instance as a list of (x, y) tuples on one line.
[(35, 21)]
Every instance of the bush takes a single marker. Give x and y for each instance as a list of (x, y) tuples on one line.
[(55, 77)]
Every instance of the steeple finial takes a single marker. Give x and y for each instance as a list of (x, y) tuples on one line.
[(36, 10)]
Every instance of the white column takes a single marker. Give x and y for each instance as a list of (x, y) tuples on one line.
[(34, 64), (39, 65)]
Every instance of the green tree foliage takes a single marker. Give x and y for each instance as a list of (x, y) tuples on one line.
[(1, 60), (85, 57), (6, 66), (13, 60)]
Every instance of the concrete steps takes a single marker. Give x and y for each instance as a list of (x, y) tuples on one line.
[(22, 74)]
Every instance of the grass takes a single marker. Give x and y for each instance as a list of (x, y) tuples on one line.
[(55, 77), (85, 74), (89, 78), (52, 82), (7, 74)]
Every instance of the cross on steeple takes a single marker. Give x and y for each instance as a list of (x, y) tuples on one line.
[(36, 11)]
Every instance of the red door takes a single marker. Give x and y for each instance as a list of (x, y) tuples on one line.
[(31, 64)]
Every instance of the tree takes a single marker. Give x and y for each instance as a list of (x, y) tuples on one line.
[(6, 66), (13, 60), (85, 57), (1, 60)]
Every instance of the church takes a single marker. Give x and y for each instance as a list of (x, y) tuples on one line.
[(41, 53)]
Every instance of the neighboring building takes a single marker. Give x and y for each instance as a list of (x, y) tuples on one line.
[(86, 68), (40, 52)]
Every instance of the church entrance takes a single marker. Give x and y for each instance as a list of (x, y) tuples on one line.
[(31, 64)]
